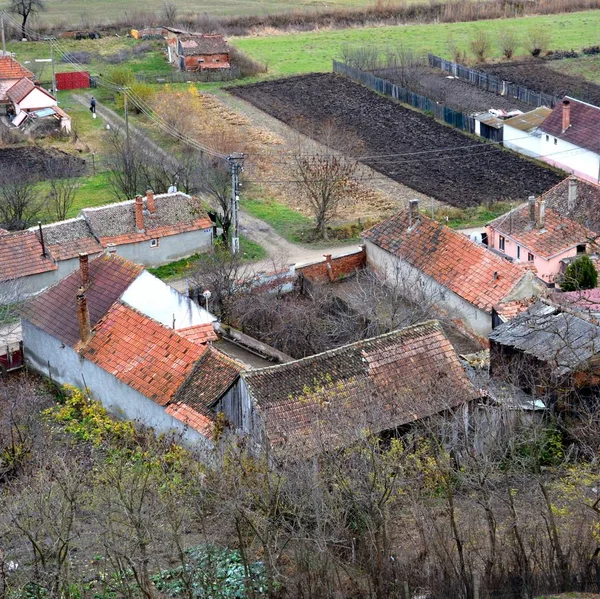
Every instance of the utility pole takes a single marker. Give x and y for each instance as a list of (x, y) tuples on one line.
[(53, 73), (236, 160), (3, 36), (126, 116)]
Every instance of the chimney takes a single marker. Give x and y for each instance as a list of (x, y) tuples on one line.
[(139, 214), (111, 248), (83, 315), (572, 197), (44, 253), (84, 270), (150, 204), (566, 115), (541, 219), (413, 213), (531, 202)]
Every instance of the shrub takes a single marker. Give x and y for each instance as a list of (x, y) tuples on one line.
[(539, 40), (143, 91), (508, 41), (118, 57), (80, 57), (480, 45), (121, 76), (580, 274)]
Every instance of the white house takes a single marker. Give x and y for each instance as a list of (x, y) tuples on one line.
[(140, 347), (30, 101), (570, 139), (462, 280), (521, 133)]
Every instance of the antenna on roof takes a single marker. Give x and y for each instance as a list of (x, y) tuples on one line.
[(44, 254)]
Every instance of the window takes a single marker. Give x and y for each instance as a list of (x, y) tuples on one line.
[(217, 60), (518, 252), (581, 249), (555, 141), (547, 138), (501, 242), (200, 60), (530, 257), (154, 243)]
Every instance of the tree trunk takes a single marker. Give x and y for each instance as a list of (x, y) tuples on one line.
[(23, 26)]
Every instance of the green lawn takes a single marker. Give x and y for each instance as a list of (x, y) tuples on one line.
[(308, 52), (587, 67), (287, 222), (251, 251), (101, 53)]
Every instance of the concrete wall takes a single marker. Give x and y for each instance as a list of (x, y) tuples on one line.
[(522, 142), (547, 269), (477, 323), (580, 162), (169, 249), (26, 286), (48, 356)]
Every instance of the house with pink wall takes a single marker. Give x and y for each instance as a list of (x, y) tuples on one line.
[(541, 237)]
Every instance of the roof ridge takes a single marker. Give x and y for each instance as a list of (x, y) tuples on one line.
[(434, 323)]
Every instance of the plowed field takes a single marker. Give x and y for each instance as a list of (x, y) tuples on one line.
[(538, 76), (404, 145)]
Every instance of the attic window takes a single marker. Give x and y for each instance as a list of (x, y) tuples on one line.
[(154, 243), (555, 141)]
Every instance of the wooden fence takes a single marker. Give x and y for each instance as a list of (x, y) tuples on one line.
[(460, 120), (186, 76), (492, 83)]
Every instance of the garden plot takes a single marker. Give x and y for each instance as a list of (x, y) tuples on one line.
[(403, 144)]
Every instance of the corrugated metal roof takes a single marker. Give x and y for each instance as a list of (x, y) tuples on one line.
[(530, 120)]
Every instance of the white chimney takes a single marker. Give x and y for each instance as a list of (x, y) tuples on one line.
[(572, 197)]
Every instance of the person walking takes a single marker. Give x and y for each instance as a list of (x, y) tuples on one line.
[(93, 106)]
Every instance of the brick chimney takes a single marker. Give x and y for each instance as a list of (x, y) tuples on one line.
[(83, 316), (541, 217), (414, 215), (84, 269), (150, 203), (139, 214), (572, 194), (532, 219), (111, 248), (566, 115)]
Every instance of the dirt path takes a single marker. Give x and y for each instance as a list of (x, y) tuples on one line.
[(398, 194)]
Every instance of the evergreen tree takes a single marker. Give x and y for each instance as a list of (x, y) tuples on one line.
[(580, 274)]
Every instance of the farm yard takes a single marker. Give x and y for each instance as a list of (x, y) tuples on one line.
[(454, 93), (407, 146), (540, 76)]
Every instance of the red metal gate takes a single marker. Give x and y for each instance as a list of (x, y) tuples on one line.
[(75, 80)]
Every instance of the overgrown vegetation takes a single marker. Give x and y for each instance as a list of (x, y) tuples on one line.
[(580, 274)]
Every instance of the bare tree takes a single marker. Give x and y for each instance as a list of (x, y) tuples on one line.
[(539, 40), (169, 13), (64, 185), (508, 40), (480, 45), (325, 177), (20, 201), (26, 9)]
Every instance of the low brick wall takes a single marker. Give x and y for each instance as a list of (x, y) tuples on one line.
[(334, 269)]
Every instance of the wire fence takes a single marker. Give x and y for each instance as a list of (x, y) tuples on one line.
[(190, 76), (493, 84), (452, 117)]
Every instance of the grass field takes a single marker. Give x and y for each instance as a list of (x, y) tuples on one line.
[(308, 52), (587, 67), (82, 12)]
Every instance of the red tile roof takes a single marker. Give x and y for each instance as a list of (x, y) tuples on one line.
[(11, 69), (585, 206), (21, 256), (55, 310), (381, 383), (468, 269), (583, 131), (558, 235), (202, 423), (211, 378), (508, 310), (142, 353), (200, 333), (20, 90)]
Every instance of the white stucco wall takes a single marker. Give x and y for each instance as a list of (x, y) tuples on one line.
[(27, 286), (160, 301), (583, 163), (48, 356), (449, 304), (171, 248), (522, 142), (34, 100)]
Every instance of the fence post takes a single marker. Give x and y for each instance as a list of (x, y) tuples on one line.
[(406, 590), (475, 585)]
